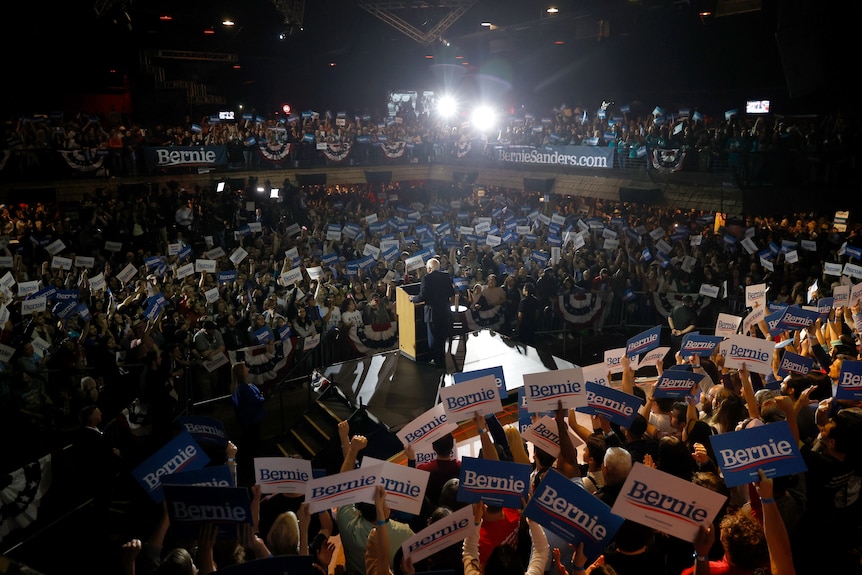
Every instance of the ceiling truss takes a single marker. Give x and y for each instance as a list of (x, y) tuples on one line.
[(292, 10), (389, 12)]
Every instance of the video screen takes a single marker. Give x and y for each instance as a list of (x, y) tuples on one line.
[(757, 107)]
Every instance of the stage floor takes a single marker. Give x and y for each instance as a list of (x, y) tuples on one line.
[(396, 390)]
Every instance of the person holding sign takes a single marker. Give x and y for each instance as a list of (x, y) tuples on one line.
[(248, 401), (437, 292), (681, 321)]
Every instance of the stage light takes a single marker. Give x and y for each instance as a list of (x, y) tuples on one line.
[(273, 193), (260, 189), (220, 187), (286, 109), (483, 118), (447, 107)]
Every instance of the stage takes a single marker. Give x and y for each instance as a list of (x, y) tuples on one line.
[(394, 389)]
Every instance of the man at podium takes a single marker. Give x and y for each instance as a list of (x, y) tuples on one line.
[(436, 291)]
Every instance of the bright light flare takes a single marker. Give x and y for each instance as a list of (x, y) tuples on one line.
[(447, 107), (483, 118)]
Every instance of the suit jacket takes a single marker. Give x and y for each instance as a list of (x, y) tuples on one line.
[(436, 290)]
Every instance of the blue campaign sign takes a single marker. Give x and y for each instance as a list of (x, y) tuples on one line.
[(795, 317), (676, 383), (793, 363), (824, 306), (772, 320), (189, 506), (770, 447), (182, 453), (573, 513), (205, 430), (263, 335), (226, 276), (696, 344), (501, 483), (850, 380), (496, 371), (643, 342), (214, 476), (614, 405)]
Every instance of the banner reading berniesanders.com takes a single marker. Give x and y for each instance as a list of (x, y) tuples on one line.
[(578, 156)]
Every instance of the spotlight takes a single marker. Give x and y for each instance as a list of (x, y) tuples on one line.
[(273, 193), (220, 187)]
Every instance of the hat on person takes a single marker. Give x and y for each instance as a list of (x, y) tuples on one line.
[(764, 395)]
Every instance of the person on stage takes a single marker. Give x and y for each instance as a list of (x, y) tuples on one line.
[(437, 292)]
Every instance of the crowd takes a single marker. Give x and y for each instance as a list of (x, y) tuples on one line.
[(140, 303), (760, 150)]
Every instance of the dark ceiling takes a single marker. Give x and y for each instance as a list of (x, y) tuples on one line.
[(654, 52)]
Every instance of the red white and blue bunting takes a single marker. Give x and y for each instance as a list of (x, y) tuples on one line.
[(274, 151), (579, 309), (668, 160), (267, 365), (393, 150), (337, 152), (374, 338), (492, 318), (79, 160)]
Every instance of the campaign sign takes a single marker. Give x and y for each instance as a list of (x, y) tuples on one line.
[(696, 344), (342, 488), (754, 352), (613, 360), (427, 427), (205, 430), (850, 380), (772, 320), (652, 357), (282, 474), (824, 306), (795, 317), (614, 405), (755, 295), (769, 447), (543, 434), (214, 476), (127, 273), (185, 270), (501, 483), (496, 371), (448, 531), (793, 363), (666, 503), (226, 276), (182, 453), (405, 486), (272, 565), (596, 373), (727, 324), (752, 318), (185, 252), (461, 401), (544, 391), (570, 511), (676, 383), (189, 506), (205, 265), (643, 342), (291, 277)]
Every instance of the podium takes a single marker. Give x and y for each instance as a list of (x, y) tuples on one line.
[(412, 333)]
